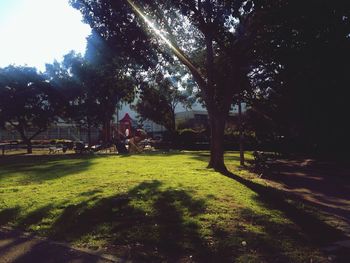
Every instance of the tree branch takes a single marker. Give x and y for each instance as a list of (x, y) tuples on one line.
[(35, 134), (178, 52)]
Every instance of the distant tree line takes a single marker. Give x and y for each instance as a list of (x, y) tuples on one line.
[(82, 90)]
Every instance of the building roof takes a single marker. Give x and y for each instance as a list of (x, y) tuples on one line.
[(126, 118)]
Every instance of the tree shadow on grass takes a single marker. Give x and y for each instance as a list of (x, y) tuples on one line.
[(151, 223), (8, 215), (42, 168), (34, 217), (259, 238), (315, 230), (204, 156), (162, 231)]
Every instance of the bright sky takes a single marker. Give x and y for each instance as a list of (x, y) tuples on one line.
[(35, 32)]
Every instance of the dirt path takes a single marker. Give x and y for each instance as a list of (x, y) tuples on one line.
[(16, 247), (321, 184)]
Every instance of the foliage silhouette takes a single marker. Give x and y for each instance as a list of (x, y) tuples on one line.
[(28, 103)]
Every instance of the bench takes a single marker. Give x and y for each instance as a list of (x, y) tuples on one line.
[(57, 149), (262, 163)]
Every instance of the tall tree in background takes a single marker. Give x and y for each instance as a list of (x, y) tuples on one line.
[(116, 79), (159, 99), (76, 80), (93, 85), (28, 103)]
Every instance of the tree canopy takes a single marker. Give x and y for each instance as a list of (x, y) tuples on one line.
[(94, 84), (159, 99), (301, 87), (286, 59), (198, 33), (28, 103)]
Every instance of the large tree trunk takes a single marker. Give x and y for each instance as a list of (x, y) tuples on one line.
[(171, 127), (217, 126)]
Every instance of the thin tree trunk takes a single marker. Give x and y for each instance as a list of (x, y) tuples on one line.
[(89, 132), (173, 123), (107, 130), (172, 126), (29, 146), (26, 140), (118, 136), (217, 126), (241, 136)]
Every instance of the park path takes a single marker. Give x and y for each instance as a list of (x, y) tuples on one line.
[(322, 184), (17, 247)]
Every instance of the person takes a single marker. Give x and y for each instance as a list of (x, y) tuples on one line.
[(127, 133)]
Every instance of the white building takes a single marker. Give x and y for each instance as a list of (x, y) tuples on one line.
[(197, 112)]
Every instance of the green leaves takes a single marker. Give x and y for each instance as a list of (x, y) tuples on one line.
[(27, 100)]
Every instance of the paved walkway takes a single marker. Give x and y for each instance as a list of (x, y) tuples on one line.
[(16, 247)]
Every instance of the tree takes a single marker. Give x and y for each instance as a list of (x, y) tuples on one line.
[(27, 102), (215, 29), (296, 49), (159, 98), (93, 85), (308, 48), (75, 80), (116, 82)]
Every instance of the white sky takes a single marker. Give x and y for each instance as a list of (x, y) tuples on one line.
[(35, 32)]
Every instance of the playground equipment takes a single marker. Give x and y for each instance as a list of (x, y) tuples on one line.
[(129, 136)]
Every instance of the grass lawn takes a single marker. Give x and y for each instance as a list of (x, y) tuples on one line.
[(158, 207)]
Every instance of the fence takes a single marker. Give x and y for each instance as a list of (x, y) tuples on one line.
[(57, 132)]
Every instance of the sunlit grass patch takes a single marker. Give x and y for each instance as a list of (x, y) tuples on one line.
[(151, 206)]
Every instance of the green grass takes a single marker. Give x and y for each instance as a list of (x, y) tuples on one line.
[(157, 207)]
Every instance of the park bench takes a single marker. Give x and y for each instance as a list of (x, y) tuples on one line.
[(6, 146), (80, 147), (57, 149), (262, 163), (104, 148), (2, 147)]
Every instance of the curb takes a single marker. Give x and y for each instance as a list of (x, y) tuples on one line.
[(104, 256)]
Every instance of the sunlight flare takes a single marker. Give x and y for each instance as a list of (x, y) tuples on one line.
[(153, 27)]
